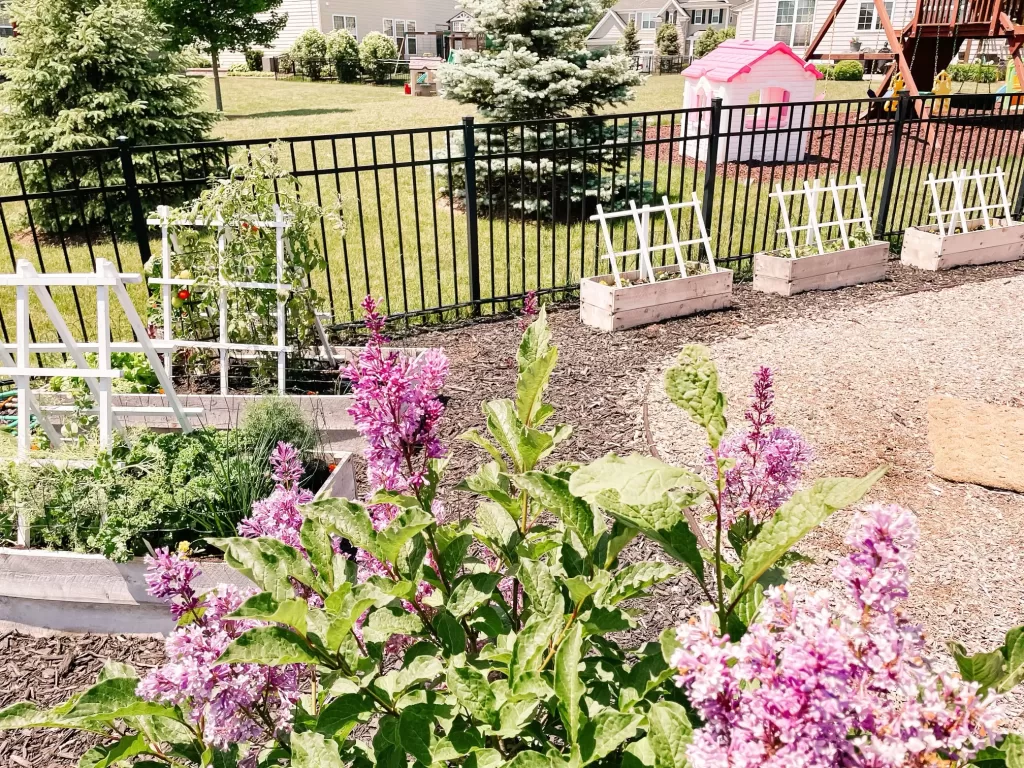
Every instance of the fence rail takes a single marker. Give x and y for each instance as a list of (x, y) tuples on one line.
[(465, 219)]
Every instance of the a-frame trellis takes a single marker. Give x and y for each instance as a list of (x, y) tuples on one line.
[(814, 196), (959, 184)]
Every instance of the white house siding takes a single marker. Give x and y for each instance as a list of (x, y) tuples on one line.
[(302, 15), (370, 14)]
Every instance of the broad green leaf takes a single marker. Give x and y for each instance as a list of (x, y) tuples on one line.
[(317, 543), (483, 758), (532, 643), (418, 671), (1011, 640), (400, 530), (311, 749), (600, 620), (646, 675), (638, 754), (986, 669), (498, 526), (531, 383), (339, 717), (637, 479), (669, 731), (541, 587), (581, 588), (552, 493), (516, 715), (569, 686), (473, 436), (746, 609), (471, 592), (531, 760), (388, 621), (454, 555), (506, 428), (669, 643), (105, 698), (634, 579), (453, 636), (490, 481), (535, 342), (473, 692), (27, 715), (805, 511), (348, 519), (266, 608), (387, 747), (416, 732), (491, 620), (603, 734), (1014, 665), (124, 748), (112, 669), (395, 499), (272, 646), (1013, 744), (618, 538), (692, 384), (268, 562)]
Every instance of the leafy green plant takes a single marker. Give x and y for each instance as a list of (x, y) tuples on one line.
[(667, 40), (343, 50), (858, 237), (973, 73), (710, 39), (310, 52), (375, 51), (254, 59)]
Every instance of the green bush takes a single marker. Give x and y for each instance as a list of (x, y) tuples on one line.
[(667, 40), (254, 59), (849, 70), (374, 52), (973, 73), (710, 39), (238, 67), (309, 52), (193, 59), (343, 50)]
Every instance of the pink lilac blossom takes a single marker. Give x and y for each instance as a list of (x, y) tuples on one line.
[(231, 703), (278, 515), (530, 310), (819, 682), (770, 460)]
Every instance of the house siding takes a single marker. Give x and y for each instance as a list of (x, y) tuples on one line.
[(370, 14)]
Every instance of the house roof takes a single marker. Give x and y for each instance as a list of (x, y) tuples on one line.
[(608, 15), (625, 6), (737, 57)]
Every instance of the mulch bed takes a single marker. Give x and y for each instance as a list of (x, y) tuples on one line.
[(598, 387)]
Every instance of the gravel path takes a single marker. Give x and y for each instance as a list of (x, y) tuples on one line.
[(855, 383)]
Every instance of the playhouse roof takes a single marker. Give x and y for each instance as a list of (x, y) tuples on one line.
[(737, 57)]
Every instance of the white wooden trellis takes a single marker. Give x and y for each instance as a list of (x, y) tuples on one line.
[(813, 195), (959, 182), (169, 284), (642, 223)]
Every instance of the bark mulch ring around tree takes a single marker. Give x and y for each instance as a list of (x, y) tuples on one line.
[(599, 386)]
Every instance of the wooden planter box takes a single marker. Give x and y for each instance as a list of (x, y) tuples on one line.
[(820, 272), (613, 309), (924, 248), (44, 591)]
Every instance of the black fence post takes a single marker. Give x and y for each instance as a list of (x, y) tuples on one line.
[(472, 235), (882, 220), (711, 164), (131, 190), (1018, 210)]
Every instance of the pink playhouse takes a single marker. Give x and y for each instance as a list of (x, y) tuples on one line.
[(752, 72)]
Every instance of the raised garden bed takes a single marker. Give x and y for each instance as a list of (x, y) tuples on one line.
[(45, 591), (777, 272), (609, 308), (926, 248)]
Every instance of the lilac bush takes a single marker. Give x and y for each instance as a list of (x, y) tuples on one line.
[(819, 681)]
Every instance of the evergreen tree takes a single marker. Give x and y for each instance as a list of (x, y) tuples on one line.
[(537, 66), (82, 73), (216, 26), (630, 42), (667, 40)]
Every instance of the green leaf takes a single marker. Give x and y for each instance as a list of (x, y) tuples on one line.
[(266, 608), (541, 587), (268, 562), (310, 749), (471, 592), (985, 669), (317, 543), (604, 733), (530, 760), (453, 636), (692, 384), (600, 621), (483, 758), (388, 621), (387, 747), (581, 588), (552, 493), (535, 342), (473, 436), (491, 620), (531, 383), (637, 479), (400, 530), (669, 731), (498, 526), (339, 717), (416, 732), (515, 715), (634, 579), (638, 754), (646, 675), (804, 512), (272, 646), (103, 699), (454, 555), (348, 519), (524, 445), (124, 748), (618, 538), (112, 669), (1014, 665), (27, 715), (569, 685), (532, 643), (473, 692)]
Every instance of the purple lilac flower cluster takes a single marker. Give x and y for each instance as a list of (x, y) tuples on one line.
[(819, 683), (278, 515), (231, 703), (769, 460), (530, 310)]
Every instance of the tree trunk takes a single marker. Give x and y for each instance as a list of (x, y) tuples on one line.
[(215, 58)]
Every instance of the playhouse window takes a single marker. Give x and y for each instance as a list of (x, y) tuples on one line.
[(794, 20), (769, 117)]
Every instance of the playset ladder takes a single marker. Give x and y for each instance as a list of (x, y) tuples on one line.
[(642, 223), (959, 183), (812, 194)]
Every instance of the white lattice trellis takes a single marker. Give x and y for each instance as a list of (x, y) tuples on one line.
[(223, 345), (642, 222), (813, 196), (959, 183)]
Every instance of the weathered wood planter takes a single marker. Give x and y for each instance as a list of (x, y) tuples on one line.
[(44, 591), (925, 248), (604, 306), (820, 272)]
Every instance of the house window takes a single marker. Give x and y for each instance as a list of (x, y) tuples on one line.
[(868, 17), (345, 22), (397, 29), (648, 21), (631, 17), (410, 45), (716, 16), (793, 22), (698, 16)]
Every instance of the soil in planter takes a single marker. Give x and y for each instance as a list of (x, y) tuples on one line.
[(693, 269)]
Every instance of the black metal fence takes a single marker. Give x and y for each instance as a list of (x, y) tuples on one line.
[(465, 219)]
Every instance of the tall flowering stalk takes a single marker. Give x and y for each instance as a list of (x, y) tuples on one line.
[(822, 682), (278, 515), (228, 703)]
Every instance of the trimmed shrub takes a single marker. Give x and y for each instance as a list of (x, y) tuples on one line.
[(309, 52), (667, 40), (849, 70), (373, 52), (973, 73), (254, 59), (343, 50)]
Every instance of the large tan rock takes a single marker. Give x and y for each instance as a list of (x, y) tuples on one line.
[(975, 442)]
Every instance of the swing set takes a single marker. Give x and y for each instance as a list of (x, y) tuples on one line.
[(925, 47)]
